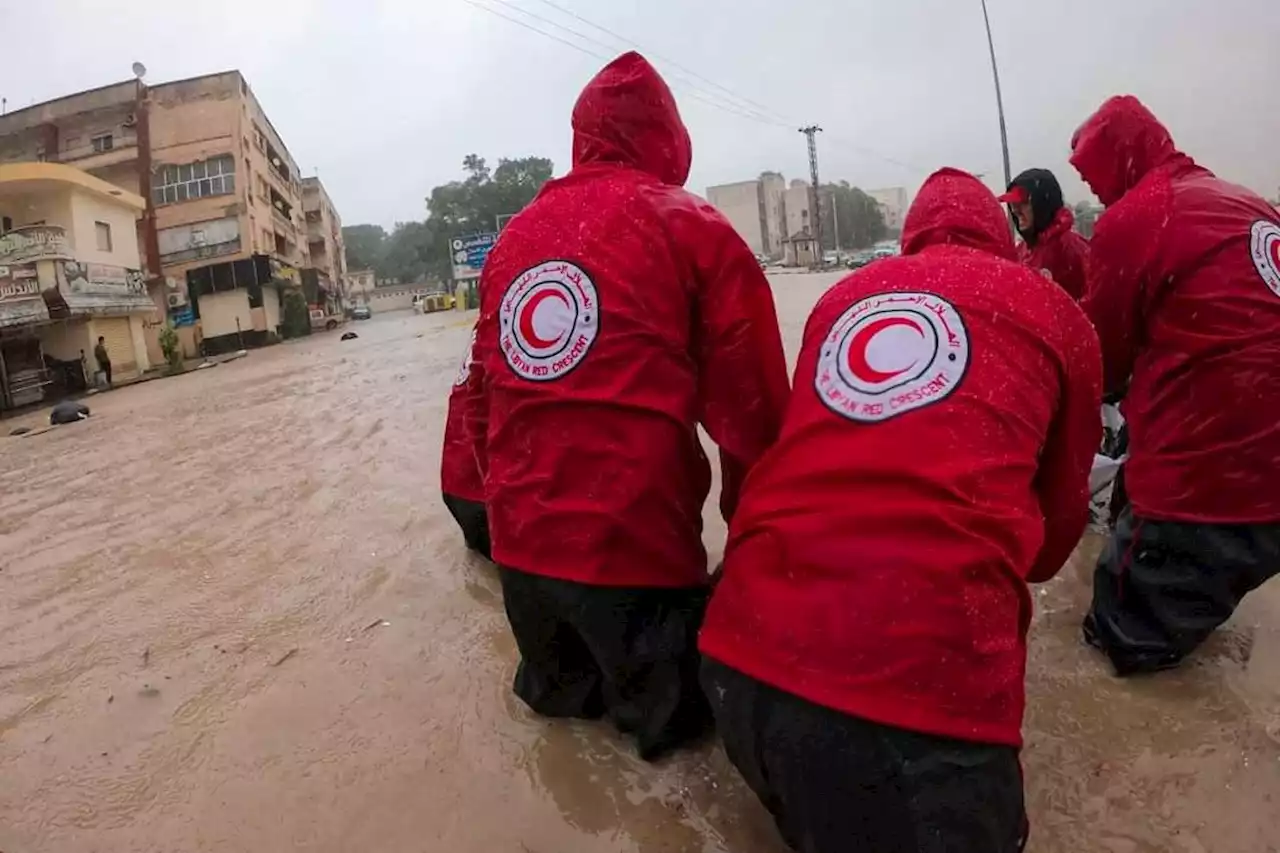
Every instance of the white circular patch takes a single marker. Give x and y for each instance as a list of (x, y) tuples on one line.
[(464, 369), (1265, 249), (549, 318), (891, 353)]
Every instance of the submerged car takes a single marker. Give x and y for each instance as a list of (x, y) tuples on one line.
[(361, 312)]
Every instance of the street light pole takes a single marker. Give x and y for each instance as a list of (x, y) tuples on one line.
[(995, 75)]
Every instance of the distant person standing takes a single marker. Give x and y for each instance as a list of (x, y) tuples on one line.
[(1050, 244), (103, 358)]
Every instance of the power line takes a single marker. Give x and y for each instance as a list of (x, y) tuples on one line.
[(693, 90), (757, 112), (764, 110)]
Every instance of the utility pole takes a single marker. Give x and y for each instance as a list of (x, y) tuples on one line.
[(995, 74), (810, 132)]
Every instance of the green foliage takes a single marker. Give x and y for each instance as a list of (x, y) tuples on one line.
[(414, 251), (364, 245), (295, 319), (861, 222), (172, 349)]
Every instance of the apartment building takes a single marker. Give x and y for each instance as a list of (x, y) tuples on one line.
[(756, 209), (70, 273), (224, 230), (326, 283), (893, 202)]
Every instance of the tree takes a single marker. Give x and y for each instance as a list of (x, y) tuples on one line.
[(364, 245), (858, 215), (414, 251), (475, 203)]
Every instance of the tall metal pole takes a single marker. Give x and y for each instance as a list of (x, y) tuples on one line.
[(995, 74), (810, 132)]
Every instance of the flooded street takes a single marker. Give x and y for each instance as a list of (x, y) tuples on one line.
[(236, 617)]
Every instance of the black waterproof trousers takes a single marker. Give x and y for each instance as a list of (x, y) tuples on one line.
[(1162, 587), (629, 654), (839, 784), (474, 521)]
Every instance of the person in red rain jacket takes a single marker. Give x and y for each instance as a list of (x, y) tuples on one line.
[(460, 482), (866, 645), (1185, 294), (1050, 245), (618, 311)]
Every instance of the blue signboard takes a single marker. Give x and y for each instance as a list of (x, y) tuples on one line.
[(180, 317), (469, 254)]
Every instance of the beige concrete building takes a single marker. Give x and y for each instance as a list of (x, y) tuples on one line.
[(893, 202), (360, 286), (325, 246), (756, 209), (224, 195), (798, 202), (70, 273)]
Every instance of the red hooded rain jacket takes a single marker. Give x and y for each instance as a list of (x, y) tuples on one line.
[(933, 460), (1185, 294), (459, 473), (1060, 251), (618, 312)]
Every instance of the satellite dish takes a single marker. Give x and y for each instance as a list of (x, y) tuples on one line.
[(139, 70)]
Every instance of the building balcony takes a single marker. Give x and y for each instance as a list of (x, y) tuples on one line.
[(90, 158)]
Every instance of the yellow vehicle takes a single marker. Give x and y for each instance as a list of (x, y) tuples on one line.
[(432, 302)]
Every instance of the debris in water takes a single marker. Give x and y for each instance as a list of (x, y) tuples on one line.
[(111, 699), (349, 336), (149, 692), (375, 623), (146, 657), (285, 657)]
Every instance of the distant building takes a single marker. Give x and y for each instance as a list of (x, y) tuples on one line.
[(756, 210), (893, 203), (224, 230), (798, 203), (325, 248), (800, 250), (70, 273), (360, 284)]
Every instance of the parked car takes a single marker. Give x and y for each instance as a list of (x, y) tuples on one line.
[(361, 312), (322, 321)]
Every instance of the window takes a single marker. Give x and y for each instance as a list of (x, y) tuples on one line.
[(6, 224), (102, 142), (102, 231), (215, 176)]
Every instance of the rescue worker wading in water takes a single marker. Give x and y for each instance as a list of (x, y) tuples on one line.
[(618, 312)]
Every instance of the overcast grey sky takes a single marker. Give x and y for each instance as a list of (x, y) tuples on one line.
[(385, 97)]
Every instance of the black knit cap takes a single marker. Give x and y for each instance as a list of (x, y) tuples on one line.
[(1044, 193)]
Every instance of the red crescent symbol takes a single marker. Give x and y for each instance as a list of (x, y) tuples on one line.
[(858, 349), (526, 318), (1275, 254)]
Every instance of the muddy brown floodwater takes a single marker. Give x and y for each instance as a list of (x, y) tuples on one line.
[(235, 617)]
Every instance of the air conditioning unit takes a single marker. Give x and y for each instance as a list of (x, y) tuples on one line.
[(177, 300)]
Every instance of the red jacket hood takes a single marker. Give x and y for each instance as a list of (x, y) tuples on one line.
[(627, 115), (1118, 145), (954, 208)]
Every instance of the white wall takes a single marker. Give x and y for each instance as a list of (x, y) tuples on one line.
[(88, 209), (271, 306), (218, 312), (740, 203), (51, 208), (138, 332), (64, 340)]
